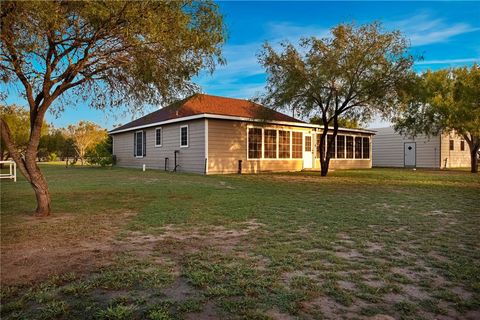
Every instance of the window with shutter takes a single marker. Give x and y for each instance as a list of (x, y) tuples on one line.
[(139, 144), (184, 136)]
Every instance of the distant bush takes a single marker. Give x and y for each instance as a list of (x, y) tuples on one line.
[(101, 153)]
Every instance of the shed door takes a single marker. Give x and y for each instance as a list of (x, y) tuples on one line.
[(410, 154), (307, 152)]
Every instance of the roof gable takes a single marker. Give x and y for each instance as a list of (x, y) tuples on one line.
[(206, 104)]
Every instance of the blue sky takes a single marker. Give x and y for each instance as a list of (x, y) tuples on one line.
[(446, 34)]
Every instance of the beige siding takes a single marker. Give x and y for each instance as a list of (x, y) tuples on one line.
[(190, 159), (227, 144), (454, 158), (348, 163), (388, 149)]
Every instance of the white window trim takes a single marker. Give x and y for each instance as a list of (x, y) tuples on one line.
[(303, 145), (263, 143), (276, 144), (369, 148), (345, 146), (161, 137), (261, 156), (136, 141), (336, 147), (290, 144), (188, 138)]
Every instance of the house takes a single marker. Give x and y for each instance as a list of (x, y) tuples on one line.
[(213, 135), (446, 150)]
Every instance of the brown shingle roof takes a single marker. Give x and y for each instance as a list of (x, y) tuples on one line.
[(207, 104)]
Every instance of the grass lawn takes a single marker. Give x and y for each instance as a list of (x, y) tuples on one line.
[(126, 244)]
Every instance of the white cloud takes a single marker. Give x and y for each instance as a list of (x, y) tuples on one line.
[(422, 29), (448, 61), (243, 76), (287, 31), (242, 63)]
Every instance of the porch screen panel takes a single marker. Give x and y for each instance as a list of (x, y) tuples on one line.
[(358, 147), (317, 146), (254, 143), (341, 146), (366, 148), (297, 145), (270, 144), (332, 152), (349, 147), (284, 144)]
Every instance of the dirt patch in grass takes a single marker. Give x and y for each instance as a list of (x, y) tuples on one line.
[(35, 249), (276, 314), (180, 290), (209, 312), (180, 240)]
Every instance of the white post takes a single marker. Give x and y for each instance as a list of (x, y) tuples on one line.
[(15, 172), (143, 168)]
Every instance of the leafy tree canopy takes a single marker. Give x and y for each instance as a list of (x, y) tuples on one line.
[(107, 53), (112, 52), (355, 73), (18, 119), (443, 101), (342, 122)]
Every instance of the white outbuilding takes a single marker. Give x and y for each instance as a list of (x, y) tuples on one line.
[(446, 150)]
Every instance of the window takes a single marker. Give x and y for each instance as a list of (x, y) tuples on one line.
[(270, 143), (318, 145), (254, 143), (462, 145), (366, 148), (283, 144), (184, 136), (308, 143), (349, 147), (358, 147), (340, 146), (139, 144), (297, 145), (158, 137), (452, 145), (332, 152)]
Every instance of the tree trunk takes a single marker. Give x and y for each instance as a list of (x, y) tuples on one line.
[(324, 164), (324, 159), (29, 168), (39, 185), (474, 162), (37, 180), (473, 142)]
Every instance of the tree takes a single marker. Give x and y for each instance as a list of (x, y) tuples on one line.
[(106, 53), (353, 74), (17, 118), (444, 100), (85, 134), (101, 152), (53, 143), (342, 122)]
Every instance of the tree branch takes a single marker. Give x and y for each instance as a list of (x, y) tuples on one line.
[(12, 148)]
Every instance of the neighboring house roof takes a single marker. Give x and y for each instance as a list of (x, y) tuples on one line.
[(200, 104), (207, 106)]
